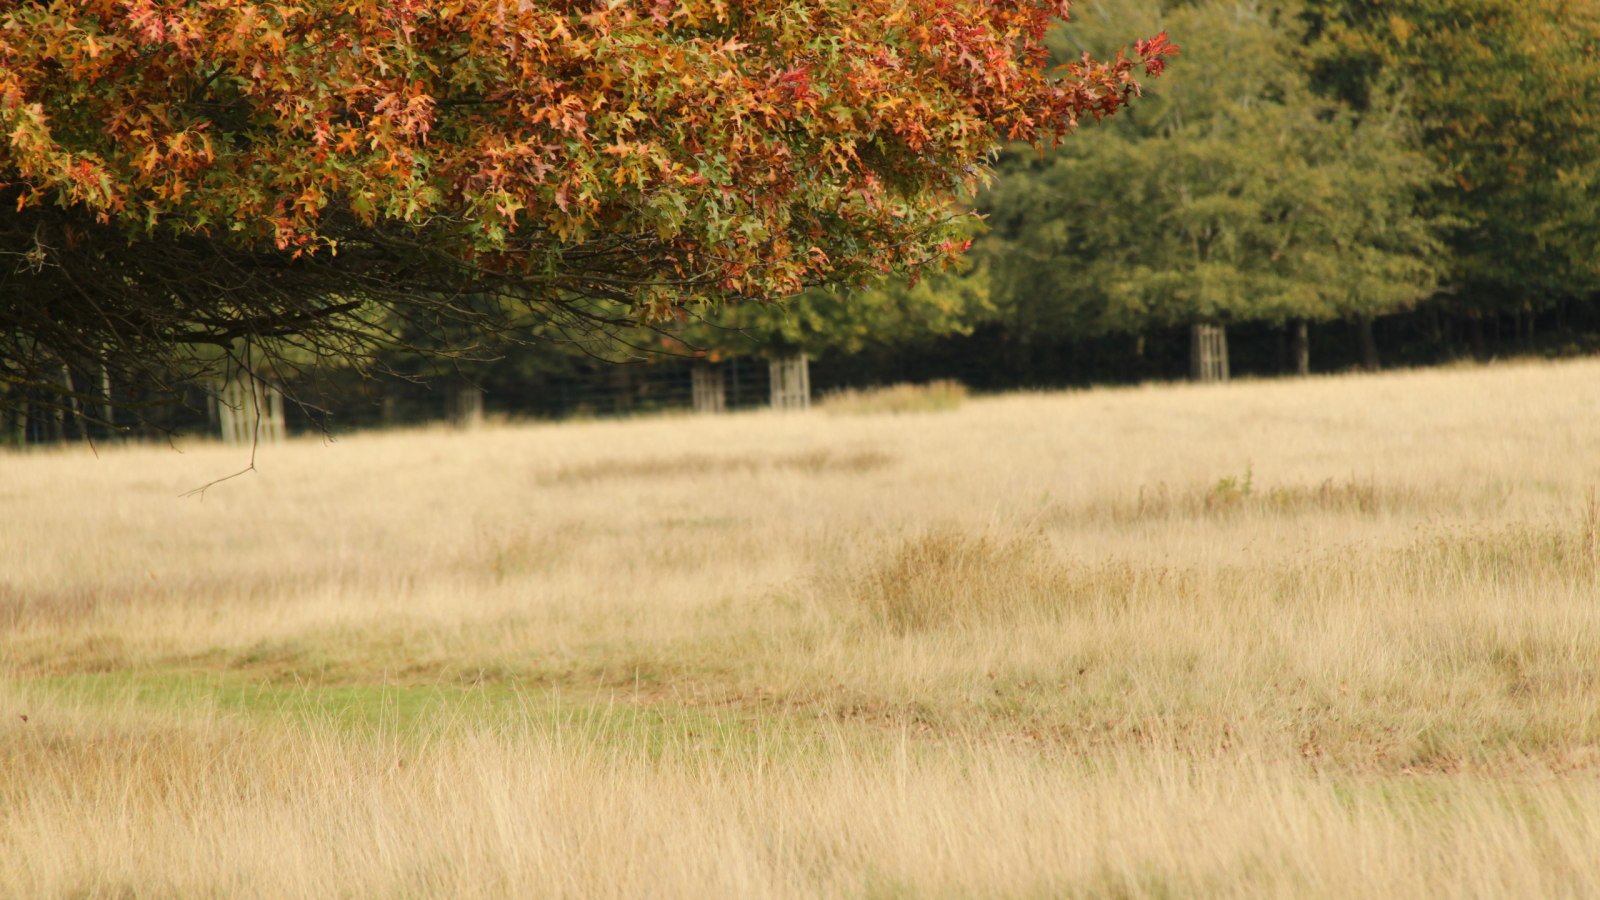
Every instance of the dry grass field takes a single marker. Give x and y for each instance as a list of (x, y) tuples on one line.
[(1327, 638)]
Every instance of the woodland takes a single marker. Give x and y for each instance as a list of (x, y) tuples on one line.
[(366, 203)]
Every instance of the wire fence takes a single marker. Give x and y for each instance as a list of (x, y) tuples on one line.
[(996, 359), (335, 405)]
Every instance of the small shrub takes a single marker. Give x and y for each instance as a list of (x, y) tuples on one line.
[(1230, 491)]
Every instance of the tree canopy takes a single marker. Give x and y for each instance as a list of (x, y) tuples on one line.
[(326, 173), (1506, 94), (824, 320), (1233, 192)]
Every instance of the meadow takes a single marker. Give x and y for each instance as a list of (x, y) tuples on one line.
[(1325, 638)]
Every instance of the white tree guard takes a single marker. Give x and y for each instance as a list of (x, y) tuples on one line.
[(1208, 353), (468, 409), (710, 390), (250, 411), (791, 382)]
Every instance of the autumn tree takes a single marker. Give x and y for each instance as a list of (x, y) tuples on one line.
[(182, 181)]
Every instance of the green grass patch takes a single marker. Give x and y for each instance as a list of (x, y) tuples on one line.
[(650, 726)]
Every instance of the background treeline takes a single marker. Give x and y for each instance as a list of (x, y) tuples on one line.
[(1338, 183)]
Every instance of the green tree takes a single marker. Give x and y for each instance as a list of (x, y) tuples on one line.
[(845, 320), (1506, 95), (1234, 193)]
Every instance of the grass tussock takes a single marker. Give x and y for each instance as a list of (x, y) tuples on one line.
[(950, 579), (381, 668), (895, 399)]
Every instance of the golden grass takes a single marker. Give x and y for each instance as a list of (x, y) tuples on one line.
[(897, 398), (1336, 637), (709, 464)]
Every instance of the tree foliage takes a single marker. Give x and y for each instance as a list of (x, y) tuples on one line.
[(1507, 97), (1233, 192), (183, 174), (838, 320)]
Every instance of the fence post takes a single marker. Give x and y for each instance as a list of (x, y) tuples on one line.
[(709, 388), (107, 409), (15, 424), (1208, 353), (72, 404), (791, 382), (6, 421)]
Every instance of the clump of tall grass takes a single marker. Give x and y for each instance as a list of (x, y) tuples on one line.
[(899, 398), (950, 578)]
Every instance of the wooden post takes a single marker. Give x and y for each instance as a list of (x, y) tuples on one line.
[(72, 404), (106, 409), (622, 388), (1300, 347), (1366, 348), (1208, 353), (6, 420), (791, 382), (709, 389)]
